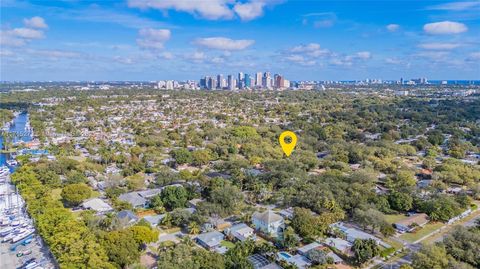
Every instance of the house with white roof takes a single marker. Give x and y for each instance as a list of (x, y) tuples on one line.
[(268, 222), (97, 205)]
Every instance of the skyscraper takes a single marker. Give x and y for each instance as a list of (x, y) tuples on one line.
[(247, 81), (240, 80), (267, 80), (258, 79), (219, 81), (231, 82)]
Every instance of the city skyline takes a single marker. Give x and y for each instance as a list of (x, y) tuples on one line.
[(159, 40)]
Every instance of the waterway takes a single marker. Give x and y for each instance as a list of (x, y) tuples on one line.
[(20, 133)]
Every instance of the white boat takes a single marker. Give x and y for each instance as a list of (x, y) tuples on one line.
[(22, 235), (8, 237), (6, 231), (12, 162)]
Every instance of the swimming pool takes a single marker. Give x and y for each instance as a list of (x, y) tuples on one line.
[(284, 255)]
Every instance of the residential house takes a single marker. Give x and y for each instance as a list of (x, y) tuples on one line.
[(410, 223), (134, 199), (343, 246), (268, 222), (303, 250), (127, 217), (210, 240), (97, 205), (241, 232), (352, 233)]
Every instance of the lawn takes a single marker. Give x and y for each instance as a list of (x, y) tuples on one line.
[(394, 218), (427, 229), (227, 244)]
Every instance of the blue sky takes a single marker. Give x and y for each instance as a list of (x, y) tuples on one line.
[(186, 39)]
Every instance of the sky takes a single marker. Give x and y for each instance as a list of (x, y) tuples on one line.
[(187, 39)]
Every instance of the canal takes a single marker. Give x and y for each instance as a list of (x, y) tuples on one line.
[(19, 131)]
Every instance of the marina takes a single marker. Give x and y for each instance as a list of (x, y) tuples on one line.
[(20, 246)]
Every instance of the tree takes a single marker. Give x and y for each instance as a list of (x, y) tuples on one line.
[(236, 257), (400, 201), (143, 234), (430, 257), (202, 157), (122, 248), (193, 228), (305, 223), (180, 217), (464, 244), (182, 256), (182, 156), (317, 256), (136, 182), (441, 208), (74, 194), (364, 250), (370, 217), (157, 204), (174, 197), (290, 238)]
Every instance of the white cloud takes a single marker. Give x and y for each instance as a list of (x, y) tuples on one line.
[(364, 55), (249, 11), (223, 43), (393, 27), (311, 49), (35, 22), (211, 9), (456, 6), (54, 54), (299, 59), (439, 46), (306, 48), (445, 27), (434, 55), (18, 37), (153, 38), (393, 61), (323, 23), (27, 33), (474, 56)]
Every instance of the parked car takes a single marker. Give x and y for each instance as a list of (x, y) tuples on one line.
[(24, 253)]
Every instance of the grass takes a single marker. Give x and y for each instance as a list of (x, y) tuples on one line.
[(427, 229), (394, 218), (227, 244), (393, 243)]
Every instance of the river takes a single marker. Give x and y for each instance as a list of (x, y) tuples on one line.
[(20, 134)]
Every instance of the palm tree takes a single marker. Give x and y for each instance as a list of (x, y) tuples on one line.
[(193, 228)]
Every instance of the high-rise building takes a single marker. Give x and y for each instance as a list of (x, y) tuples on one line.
[(203, 83), (240, 81), (278, 81), (258, 79), (219, 81), (247, 81), (212, 83), (231, 82), (267, 80), (169, 85)]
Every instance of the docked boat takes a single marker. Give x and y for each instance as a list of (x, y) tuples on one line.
[(6, 231), (12, 162), (23, 235)]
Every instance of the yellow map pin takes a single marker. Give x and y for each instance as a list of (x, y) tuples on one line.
[(288, 147)]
